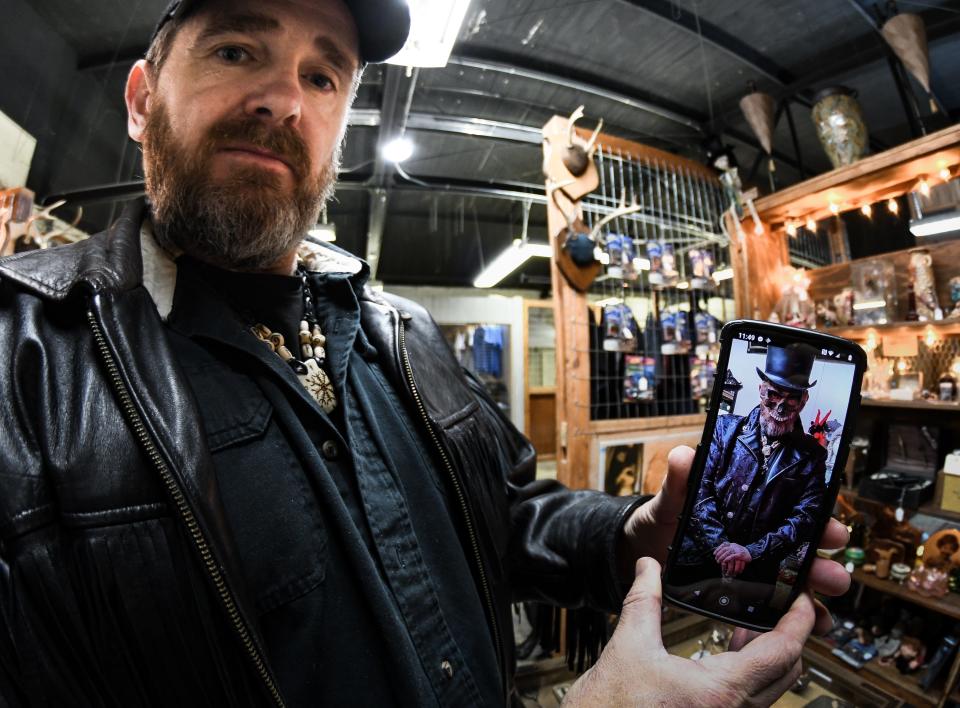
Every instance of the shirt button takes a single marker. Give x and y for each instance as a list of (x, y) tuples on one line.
[(447, 668), (330, 450), (744, 487), (729, 514)]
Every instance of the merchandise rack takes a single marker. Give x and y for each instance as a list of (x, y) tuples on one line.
[(679, 202)]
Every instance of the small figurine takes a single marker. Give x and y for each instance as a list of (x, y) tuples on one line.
[(955, 296), (924, 285), (827, 314)]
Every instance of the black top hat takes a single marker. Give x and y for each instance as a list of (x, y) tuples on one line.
[(382, 25), (789, 367)]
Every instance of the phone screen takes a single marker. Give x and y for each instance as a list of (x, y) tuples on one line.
[(767, 472)]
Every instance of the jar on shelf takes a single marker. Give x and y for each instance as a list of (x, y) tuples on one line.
[(840, 125), (947, 387)]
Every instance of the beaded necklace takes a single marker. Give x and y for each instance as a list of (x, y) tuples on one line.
[(767, 448), (309, 368)]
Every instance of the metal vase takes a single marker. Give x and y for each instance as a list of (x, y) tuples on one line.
[(907, 36), (758, 108), (840, 125)]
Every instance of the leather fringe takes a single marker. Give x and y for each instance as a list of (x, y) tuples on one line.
[(587, 632)]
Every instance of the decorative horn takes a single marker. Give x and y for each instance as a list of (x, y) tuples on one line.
[(615, 214), (571, 123), (592, 142)]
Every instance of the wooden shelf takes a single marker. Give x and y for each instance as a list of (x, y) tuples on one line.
[(542, 390), (860, 332), (888, 174), (632, 425), (948, 605), (930, 509), (918, 405), (886, 678)]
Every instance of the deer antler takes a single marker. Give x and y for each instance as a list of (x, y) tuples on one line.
[(571, 123), (592, 142), (622, 210)]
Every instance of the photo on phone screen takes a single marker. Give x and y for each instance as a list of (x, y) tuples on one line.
[(769, 473)]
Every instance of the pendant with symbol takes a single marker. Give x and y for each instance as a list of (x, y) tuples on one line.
[(318, 385)]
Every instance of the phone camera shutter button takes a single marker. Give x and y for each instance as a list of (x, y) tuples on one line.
[(723, 600)]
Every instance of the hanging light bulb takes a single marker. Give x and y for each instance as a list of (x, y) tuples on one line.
[(945, 174), (811, 225), (866, 210), (791, 229), (923, 187), (892, 206), (758, 229), (834, 208), (929, 336)]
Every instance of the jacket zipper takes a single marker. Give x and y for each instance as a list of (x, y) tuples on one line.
[(462, 501), (186, 513)]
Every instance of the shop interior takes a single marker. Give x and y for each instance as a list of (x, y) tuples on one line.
[(582, 195)]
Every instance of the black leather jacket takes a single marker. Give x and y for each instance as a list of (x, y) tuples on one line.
[(119, 582), (771, 518)]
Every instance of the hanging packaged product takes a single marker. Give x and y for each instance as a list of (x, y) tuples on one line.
[(619, 329), (702, 371), (639, 378), (663, 264), (701, 269), (707, 326), (676, 327), (622, 254)]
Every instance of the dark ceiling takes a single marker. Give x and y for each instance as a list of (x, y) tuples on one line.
[(667, 73)]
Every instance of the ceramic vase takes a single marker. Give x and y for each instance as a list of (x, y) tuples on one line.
[(840, 126)]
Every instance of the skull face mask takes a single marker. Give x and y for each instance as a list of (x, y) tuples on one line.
[(779, 408)]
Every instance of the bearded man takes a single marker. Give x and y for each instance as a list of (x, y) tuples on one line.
[(764, 482), (233, 475)]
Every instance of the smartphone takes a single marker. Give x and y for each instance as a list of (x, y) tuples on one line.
[(766, 473)]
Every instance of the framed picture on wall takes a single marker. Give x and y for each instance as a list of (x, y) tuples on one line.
[(622, 468)]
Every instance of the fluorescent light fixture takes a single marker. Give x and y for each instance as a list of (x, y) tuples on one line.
[(869, 305), (323, 232), (434, 28), (398, 150), (936, 224), (725, 274), (515, 255)]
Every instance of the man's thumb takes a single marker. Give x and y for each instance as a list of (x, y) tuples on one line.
[(640, 616)]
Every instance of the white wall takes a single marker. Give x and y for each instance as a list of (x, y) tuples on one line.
[(469, 305)]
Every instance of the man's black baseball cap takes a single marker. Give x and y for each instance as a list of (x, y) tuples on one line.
[(382, 25)]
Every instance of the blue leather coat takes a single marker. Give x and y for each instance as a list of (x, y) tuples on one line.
[(770, 517)]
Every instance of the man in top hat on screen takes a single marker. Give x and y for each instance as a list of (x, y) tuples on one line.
[(764, 482)]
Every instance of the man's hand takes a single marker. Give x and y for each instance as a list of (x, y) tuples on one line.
[(650, 529), (732, 557), (635, 670)]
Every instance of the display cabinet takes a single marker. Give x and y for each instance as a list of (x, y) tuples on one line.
[(913, 352)]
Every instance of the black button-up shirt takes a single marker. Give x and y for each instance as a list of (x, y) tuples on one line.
[(349, 550)]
